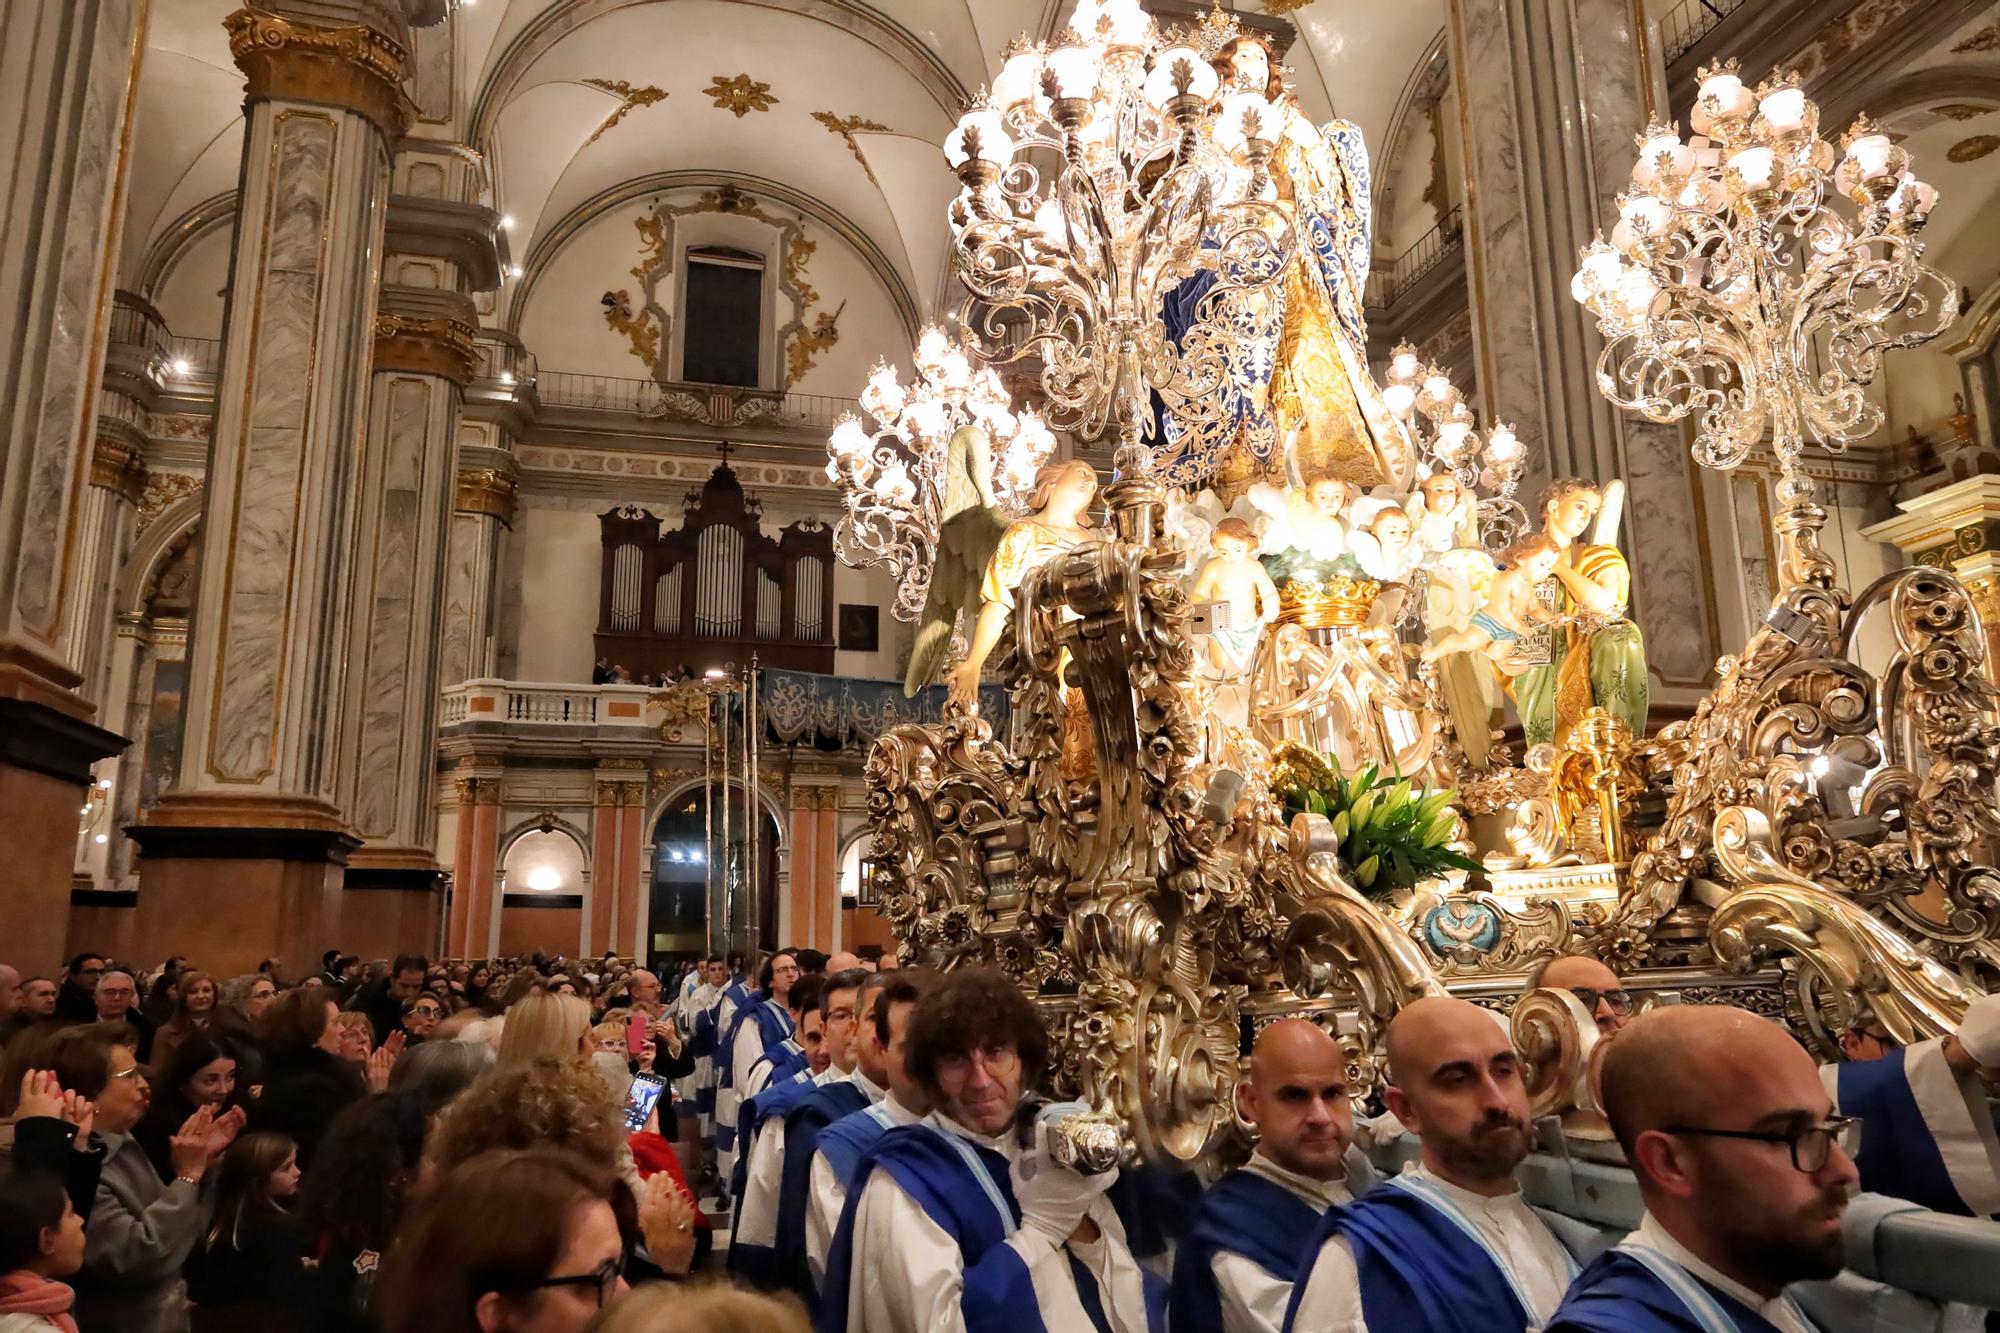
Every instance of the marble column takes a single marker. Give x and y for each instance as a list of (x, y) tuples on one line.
[(387, 749), (474, 926), (611, 918), (483, 507), (244, 857), (1551, 95), (69, 72)]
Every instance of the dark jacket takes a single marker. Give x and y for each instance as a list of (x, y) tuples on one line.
[(45, 1143), (75, 1004), (385, 1011), (303, 1092), (256, 1279)]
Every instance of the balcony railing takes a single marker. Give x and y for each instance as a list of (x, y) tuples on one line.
[(697, 404), (529, 703), (1690, 21), (1388, 286)]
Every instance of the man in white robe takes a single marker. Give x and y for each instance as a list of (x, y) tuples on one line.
[(953, 1224), (1928, 1133), (900, 1100), (1234, 1270), (754, 1028), (830, 1011), (1744, 1169), (1449, 1245)]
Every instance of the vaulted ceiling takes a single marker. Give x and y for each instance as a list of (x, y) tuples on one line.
[(572, 101)]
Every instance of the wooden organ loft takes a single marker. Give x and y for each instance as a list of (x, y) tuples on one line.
[(715, 590)]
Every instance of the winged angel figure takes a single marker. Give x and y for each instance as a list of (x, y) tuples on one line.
[(970, 525)]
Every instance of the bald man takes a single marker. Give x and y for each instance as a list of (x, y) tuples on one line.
[(1744, 1168), (842, 962), (1449, 1246), (1596, 985), (1234, 1271)]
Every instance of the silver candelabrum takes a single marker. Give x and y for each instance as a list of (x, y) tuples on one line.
[(1736, 284)]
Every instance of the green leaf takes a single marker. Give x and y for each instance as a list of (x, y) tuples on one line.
[(1435, 802)]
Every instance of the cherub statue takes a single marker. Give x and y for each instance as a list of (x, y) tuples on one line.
[(1309, 519), (1380, 541), (1247, 600), (1060, 503), (1443, 514), (1511, 609), (969, 528)]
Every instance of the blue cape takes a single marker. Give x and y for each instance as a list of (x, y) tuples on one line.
[(967, 1191), (1899, 1152), (1421, 1270), (804, 1122), (1244, 1214), (1621, 1292)]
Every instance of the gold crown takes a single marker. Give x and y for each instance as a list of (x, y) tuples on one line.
[(1218, 28), (1340, 602)]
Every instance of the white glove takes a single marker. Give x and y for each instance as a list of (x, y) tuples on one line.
[(1053, 1197), (1380, 1132), (1979, 1031)]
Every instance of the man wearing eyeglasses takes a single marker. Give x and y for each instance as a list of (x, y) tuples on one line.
[(75, 999), (1744, 1168), (953, 1222), (1594, 984), (758, 1024)]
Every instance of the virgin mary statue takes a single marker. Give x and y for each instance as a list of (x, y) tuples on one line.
[(1328, 414)]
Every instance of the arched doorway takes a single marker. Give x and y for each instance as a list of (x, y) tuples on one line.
[(705, 893)]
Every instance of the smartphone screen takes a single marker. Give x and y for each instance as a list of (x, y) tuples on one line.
[(635, 1035), (639, 1101)]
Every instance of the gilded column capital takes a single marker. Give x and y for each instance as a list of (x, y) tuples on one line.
[(440, 346), (486, 490), (478, 791), (352, 66), (118, 466)]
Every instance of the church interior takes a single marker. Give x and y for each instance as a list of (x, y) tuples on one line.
[(1222, 510)]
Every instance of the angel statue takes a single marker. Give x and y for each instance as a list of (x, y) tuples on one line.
[(1060, 505), (1598, 656), (970, 527), (1325, 405)]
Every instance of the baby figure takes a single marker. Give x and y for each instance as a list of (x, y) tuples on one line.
[(1234, 578), (1381, 544), (1511, 608), (1442, 512)]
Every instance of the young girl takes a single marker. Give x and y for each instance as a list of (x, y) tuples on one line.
[(249, 1269), (41, 1239)]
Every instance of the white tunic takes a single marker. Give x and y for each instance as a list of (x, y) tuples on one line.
[(827, 1195), (1254, 1301), (908, 1274), (763, 1175), (1537, 1260), (1779, 1312)]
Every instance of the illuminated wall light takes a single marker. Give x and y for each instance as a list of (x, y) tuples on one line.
[(543, 879)]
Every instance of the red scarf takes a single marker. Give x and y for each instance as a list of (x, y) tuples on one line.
[(22, 1292)]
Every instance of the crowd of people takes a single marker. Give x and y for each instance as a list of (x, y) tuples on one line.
[(422, 1148)]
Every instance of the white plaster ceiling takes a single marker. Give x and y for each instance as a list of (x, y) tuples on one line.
[(903, 64)]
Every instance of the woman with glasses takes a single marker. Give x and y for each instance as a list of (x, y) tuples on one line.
[(545, 1258), (421, 1015)]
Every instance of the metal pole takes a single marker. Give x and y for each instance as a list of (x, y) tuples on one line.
[(728, 903), (708, 827), (756, 812), (745, 888)]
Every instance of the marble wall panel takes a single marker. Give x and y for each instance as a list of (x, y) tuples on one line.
[(385, 707), (72, 67), (264, 528)]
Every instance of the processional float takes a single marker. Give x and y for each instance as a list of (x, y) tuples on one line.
[(1249, 770)]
